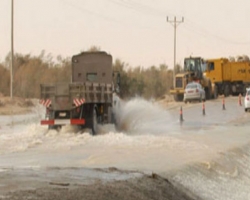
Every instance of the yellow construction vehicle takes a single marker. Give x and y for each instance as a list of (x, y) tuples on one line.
[(194, 67), (229, 77)]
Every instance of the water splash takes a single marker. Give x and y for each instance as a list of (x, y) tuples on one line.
[(139, 116)]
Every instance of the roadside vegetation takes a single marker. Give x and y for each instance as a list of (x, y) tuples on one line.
[(30, 71)]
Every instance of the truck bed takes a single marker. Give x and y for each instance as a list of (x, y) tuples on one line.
[(66, 95)]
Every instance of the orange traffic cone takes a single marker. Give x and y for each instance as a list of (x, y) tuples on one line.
[(203, 108), (181, 115)]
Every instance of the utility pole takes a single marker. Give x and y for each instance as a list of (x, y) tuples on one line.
[(12, 48), (175, 23)]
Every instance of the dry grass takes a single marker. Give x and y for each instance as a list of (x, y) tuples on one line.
[(15, 105)]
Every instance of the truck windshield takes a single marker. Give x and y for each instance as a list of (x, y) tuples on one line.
[(192, 64)]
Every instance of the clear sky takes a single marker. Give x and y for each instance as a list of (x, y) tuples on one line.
[(135, 31)]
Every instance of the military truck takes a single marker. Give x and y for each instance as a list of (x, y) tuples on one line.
[(194, 68), (88, 100)]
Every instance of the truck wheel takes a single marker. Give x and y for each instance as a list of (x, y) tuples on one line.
[(93, 123), (215, 92), (178, 97), (208, 93), (227, 91)]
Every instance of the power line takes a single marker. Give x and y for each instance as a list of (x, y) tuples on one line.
[(139, 7), (199, 30), (84, 10), (103, 17)]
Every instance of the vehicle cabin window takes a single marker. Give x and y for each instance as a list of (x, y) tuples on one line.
[(189, 65), (248, 92), (203, 67), (91, 77), (211, 66)]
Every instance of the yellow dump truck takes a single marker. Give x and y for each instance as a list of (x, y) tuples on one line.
[(194, 68), (229, 77)]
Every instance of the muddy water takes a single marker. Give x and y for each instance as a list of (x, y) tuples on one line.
[(207, 154)]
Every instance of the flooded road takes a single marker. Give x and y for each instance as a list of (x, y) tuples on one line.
[(208, 155)]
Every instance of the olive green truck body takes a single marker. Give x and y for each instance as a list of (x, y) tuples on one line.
[(88, 100)]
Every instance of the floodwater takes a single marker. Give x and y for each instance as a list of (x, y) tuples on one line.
[(208, 154)]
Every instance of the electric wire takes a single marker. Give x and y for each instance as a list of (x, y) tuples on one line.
[(189, 25)]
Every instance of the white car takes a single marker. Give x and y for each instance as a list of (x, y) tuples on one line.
[(194, 91), (247, 100)]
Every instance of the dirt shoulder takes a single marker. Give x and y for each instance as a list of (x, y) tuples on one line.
[(15, 105), (147, 187)]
